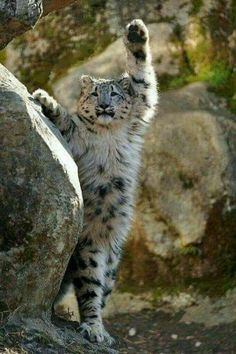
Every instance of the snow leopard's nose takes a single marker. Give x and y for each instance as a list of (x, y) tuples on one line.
[(104, 105)]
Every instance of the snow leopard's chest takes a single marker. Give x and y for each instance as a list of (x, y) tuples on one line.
[(108, 174), (107, 162)]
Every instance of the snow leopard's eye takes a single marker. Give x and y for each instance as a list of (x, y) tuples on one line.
[(113, 93), (94, 94)]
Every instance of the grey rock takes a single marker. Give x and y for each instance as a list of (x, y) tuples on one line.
[(16, 17), (40, 204), (212, 313), (185, 219), (189, 170), (184, 228)]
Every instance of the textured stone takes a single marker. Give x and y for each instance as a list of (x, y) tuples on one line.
[(16, 17), (185, 222), (189, 167), (40, 204), (57, 42), (192, 40), (212, 313)]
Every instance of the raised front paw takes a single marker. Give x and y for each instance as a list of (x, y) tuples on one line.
[(136, 32), (95, 333)]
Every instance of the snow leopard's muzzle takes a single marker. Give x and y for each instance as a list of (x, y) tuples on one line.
[(105, 110)]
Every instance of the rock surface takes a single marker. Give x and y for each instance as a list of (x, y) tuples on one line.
[(57, 42), (40, 204), (192, 40), (18, 16), (185, 223)]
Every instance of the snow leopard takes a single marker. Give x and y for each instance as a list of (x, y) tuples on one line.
[(106, 136)]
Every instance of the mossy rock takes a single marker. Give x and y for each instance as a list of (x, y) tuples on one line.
[(62, 39), (67, 38), (3, 56), (209, 51)]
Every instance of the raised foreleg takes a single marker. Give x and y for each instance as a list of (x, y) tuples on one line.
[(140, 69), (56, 113)]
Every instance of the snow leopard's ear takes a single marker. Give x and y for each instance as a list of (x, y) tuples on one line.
[(85, 81), (125, 83)]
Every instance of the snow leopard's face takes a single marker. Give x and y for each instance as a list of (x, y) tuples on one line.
[(104, 102)]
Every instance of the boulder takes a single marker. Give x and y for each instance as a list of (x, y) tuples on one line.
[(57, 42), (40, 204), (184, 230), (16, 17)]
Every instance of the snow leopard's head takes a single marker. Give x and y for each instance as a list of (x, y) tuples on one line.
[(104, 102)]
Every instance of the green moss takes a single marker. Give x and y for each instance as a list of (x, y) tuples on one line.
[(213, 288), (173, 82), (207, 286), (199, 48), (221, 80), (169, 19), (3, 56), (196, 6), (60, 41), (172, 276), (159, 292), (191, 250), (232, 104), (218, 75), (206, 54)]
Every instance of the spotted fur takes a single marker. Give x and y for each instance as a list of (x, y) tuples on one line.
[(106, 138)]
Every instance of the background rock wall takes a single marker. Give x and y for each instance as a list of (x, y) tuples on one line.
[(184, 231), (193, 40)]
